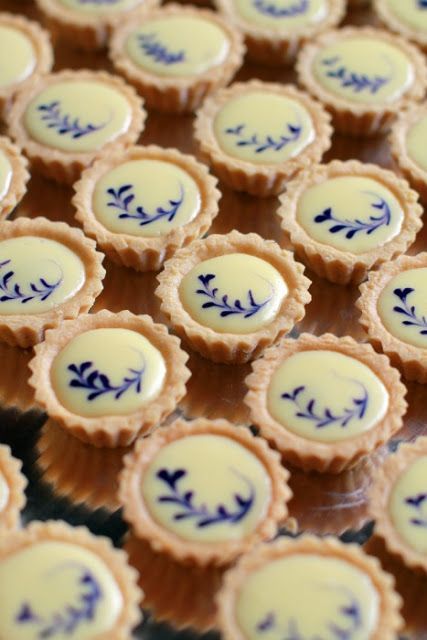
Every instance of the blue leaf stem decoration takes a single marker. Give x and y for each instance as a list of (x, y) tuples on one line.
[(266, 144), (65, 124), (122, 199), (325, 418), (270, 9), (408, 311), (158, 51), (419, 503), (97, 384), (347, 79), (40, 290), (222, 303), (201, 514), (353, 227), (422, 4)]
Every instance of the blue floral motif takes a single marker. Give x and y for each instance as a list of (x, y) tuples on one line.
[(227, 308), (357, 82), (202, 515), (122, 198), (98, 384), (158, 51), (419, 503), (353, 227), (326, 418), (268, 143), (64, 123), (38, 291), (68, 620), (422, 4), (409, 311), (299, 7)]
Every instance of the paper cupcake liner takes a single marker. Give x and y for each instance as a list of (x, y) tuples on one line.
[(338, 266), (10, 471), (311, 455), (415, 175), (226, 347), (20, 176)]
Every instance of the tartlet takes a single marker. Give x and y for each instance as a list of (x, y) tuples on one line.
[(176, 55), (27, 49), (230, 296), (345, 218), (75, 583), (13, 176), (398, 504), (203, 492), (275, 33), (141, 205), (393, 306), (89, 24), (257, 155), (408, 139), (64, 120), (61, 279), (308, 587), (76, 379), (408, 19), (12, 487), (326, 422), (363, 76)]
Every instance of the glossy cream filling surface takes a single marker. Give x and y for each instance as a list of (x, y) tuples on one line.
[(99, 7), (109, 371), (326, 396), (263, 128), (4, 493), (408, 505), (282, 15), (147, 198), (411, 12), (5, 175), (416, 143), (350, 213), (37, 274), (308, 596), (402, 307), (364, 70), (77, 115), (57, 590), (17, 56), (207, 488), (178, 46), (233, 293)]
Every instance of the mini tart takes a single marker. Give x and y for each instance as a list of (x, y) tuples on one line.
[(13, 176), (27, 49), (345, 218), (76, 381), (175, 55), (203, 492), (12, 487), (306, 587), (256, 154), (68, 572), (61, 279), (398, 503), (325, 423), (363, 76), (90, 27), (64, 120), (230, 296), (393, 312), (408, 19), (408, 139), (173, 201), (274, 31)]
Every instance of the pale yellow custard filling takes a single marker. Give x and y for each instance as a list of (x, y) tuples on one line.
[(147, 198), (416, 143), (402, 307), (207, 488), (178, 46), (263, 128), (410, 12), (234, 293), (408, 505), (17, 56), (44, 586), (282, 15), (5, 175), (77, 115), (326, 396), (95, 7), (364, 70), (308, 596), (350, 213), (37, 274), (107, 372), (4, 493)]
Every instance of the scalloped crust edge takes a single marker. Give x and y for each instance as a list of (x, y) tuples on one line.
[(10, 469), (20, 176)]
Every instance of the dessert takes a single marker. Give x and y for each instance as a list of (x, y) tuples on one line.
[(12, 487), (408, 19), (408, 147), (13, 176)]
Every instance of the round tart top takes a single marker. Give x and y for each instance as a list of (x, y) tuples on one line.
[(13, 176), (406, 18), (282, 16), (416, 135), (96, 8), (12, 486)]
